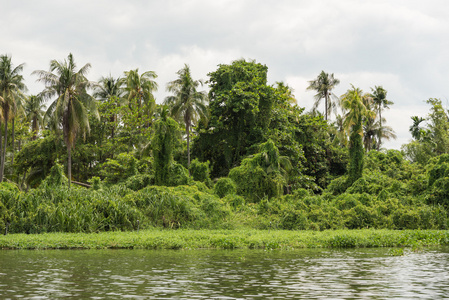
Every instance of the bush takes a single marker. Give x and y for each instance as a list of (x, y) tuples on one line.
[(139, 181), (235, 201), (200, 171), (119, 169), (56, 177), (339, 185), (224, 186)]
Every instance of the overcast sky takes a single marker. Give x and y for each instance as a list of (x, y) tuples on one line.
[(400, 45)]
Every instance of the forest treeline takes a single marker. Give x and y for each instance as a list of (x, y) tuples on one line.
[(242, 154)]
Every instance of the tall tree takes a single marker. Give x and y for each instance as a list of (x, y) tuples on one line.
[(140, 88), (240, 114), (69, 110), (353, 102), (11, 87), (34, 112), (323, 85), (187, 102), (417, 131), (109, 91), (379, 97)]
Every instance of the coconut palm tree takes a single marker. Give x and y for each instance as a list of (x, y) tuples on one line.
[(109, 89), (353, 103), (34, 112), (187, 102), (11, 88), (140, 88), (323, 85), (69, 111), (379, 96)]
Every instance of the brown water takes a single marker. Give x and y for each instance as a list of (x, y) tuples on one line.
[(219, 274)]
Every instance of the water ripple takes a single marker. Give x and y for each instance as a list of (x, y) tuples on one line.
[(239, 274)]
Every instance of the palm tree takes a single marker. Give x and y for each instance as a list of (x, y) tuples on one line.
[(338, 132), (110, 90), (386, 132), (186, 102), (70, 109), (323, 85), (354, 102), (416, 131), (11, 87), (379, 96), (140, 88), (34, 111)]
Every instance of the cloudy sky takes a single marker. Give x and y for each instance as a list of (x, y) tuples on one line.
[(400, 45)]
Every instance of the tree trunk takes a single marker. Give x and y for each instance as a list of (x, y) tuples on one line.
[(69, 162), (1, 163), (380, 129), (2, 168), (188, 146), (34, 128), (13, 146), (325, 104)]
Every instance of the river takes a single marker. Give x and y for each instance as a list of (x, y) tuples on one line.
[(220, 274)]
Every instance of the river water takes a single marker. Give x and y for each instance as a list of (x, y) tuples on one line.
[(220, 274)]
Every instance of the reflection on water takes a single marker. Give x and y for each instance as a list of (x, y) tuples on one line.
[(219, 274)]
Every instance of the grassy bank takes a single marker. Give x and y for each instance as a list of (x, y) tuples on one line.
[(227, 239)]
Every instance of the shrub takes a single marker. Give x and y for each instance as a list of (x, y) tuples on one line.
[(56, 177), (200, 171), (120, 168), (224, 186), (235, 201), (139, 181)]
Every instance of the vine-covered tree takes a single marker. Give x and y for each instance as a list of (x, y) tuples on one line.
[(163, 144), (240, 113), (353, 102)]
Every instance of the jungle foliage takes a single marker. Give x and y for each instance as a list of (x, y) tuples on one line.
[(259, 160)]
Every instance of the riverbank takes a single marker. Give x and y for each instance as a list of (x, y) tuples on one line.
[(227, 239)]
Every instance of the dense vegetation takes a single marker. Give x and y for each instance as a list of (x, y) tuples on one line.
[(104, 156)]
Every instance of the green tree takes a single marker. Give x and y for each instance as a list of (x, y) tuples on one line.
[(438, 123), (431, 138), (164, 142), (240, 114), (187, 103), (110, 93), (139, 88), (35, 159), (263, 174), (11, 87), (417, 132), (323, 85), (69, 110), (379, 98), (34, 112), (353, 102)]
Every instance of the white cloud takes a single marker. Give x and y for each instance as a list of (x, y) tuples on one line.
[(399, 44)]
